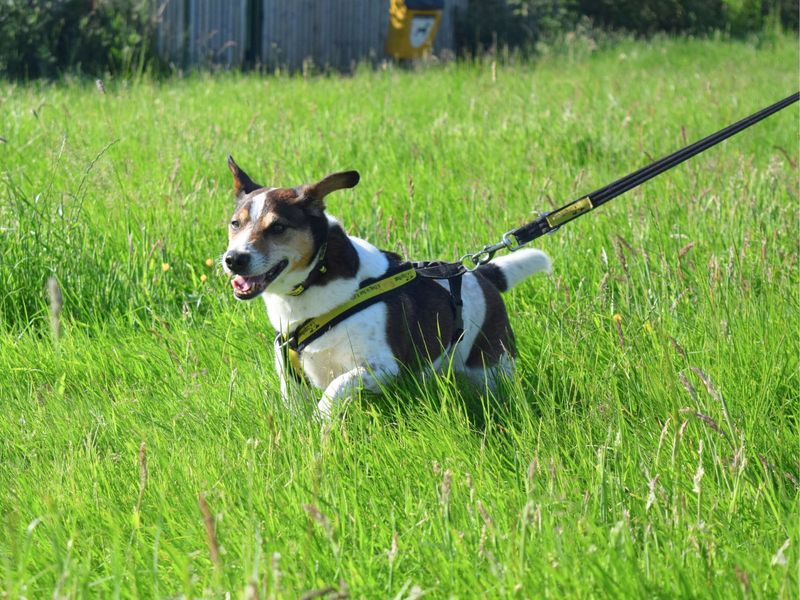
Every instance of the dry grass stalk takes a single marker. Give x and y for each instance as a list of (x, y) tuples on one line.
[(56, 302), (211, 534), (620, 255), (743, 248), (343, 593), (471, 488), (176, 167), (684, 251), (712, 391), (601, 290), (698, 475), (447, 483), (487, 519), (678, 348), (651, 494), (533, 468), (620, 335), (678, 298), (391, 554), (743, 578), (739, 461), (318, 593), (705, 419), (526, 517), (731, 261), (625, 243), (275, 575), (316, 515), (713, 272), (251, 591)]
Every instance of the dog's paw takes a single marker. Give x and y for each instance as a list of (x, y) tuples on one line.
[(329, 407), (325, 406)]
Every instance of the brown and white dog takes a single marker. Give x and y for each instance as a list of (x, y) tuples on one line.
[(275, 237)]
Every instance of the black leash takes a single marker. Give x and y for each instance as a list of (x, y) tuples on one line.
[(549, 222), (292, 344)]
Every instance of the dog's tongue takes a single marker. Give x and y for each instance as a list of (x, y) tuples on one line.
[(243, 284)]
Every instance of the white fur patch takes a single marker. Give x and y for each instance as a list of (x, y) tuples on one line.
[(257, 206), (522, 264)]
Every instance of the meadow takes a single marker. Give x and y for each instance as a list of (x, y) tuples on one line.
[(647, 446)]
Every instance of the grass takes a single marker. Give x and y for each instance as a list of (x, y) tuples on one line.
[(146, 452)]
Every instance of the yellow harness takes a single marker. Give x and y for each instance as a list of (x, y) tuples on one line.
[(294, 342)]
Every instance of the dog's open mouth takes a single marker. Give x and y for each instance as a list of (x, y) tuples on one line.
[(248, 287)]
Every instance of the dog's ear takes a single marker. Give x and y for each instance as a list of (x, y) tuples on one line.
[(242, 184), (315, 192)]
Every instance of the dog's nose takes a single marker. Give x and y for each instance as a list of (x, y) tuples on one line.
[(237, 261)]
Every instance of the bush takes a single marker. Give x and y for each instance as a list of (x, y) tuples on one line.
[(511, 23), (525, 23), (46, 38)]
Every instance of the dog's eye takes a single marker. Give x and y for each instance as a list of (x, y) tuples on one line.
[(235, 224), (277, 228)]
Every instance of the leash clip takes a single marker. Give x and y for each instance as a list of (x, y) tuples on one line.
[(508, 242)]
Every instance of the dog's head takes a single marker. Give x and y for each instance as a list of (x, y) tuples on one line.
[(275, 234)]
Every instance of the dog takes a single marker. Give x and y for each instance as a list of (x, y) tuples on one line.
[(284, 247)]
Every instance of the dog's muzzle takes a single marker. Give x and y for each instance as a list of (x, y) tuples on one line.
[(247, 287)]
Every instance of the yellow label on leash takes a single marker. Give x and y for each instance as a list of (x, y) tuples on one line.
[(569, 212)]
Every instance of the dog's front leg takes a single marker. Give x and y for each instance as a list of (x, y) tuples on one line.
[(350, 383), (280, 368)]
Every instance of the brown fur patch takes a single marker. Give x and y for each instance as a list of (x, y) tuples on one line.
[(495, 337), (282, 196), (302, 242), (242, 213)]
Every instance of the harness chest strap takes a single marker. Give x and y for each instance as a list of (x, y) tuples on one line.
[(308, 331), (293, 343)]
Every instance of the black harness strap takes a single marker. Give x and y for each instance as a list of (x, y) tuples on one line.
[(453, 273)]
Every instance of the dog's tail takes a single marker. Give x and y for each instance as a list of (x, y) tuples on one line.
[(507, 271)]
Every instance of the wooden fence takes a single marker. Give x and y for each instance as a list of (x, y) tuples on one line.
[(282, 33)]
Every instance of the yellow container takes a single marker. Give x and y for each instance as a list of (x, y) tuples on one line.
[(413, 25)]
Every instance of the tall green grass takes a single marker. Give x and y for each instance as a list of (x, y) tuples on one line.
[(647, 446)]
